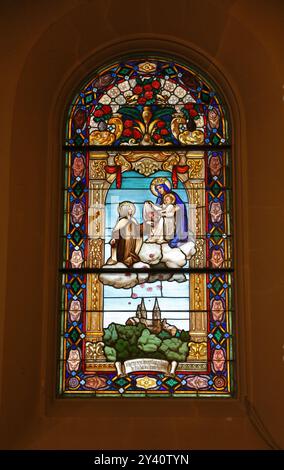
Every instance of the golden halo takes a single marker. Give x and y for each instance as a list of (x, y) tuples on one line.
[(157, 181)]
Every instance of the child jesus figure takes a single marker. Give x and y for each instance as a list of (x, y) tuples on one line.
[(163, 227)]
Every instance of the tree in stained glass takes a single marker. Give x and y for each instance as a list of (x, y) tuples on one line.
[(147, 255)]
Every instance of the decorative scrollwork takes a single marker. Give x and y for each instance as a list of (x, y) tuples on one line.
[(95, 351), (95, 253), (197, 351), (123, 162), (180, 131), (195, 168), (97, 169), (170, 162), (146, 166), (109, 136)]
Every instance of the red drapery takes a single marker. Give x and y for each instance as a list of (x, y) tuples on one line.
[(115, 169), (178, 169)]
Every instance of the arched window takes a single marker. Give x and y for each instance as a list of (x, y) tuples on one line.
[(147, 246)]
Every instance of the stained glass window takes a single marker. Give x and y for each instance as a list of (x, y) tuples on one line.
[(147, 300)]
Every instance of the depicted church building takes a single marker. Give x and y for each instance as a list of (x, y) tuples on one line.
[(155, 324)]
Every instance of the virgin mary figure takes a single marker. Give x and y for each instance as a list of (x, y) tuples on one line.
[(161, 187)]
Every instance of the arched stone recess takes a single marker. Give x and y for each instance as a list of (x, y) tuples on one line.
[(44, 157)]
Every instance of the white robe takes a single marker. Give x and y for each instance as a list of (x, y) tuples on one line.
[(162, 222)]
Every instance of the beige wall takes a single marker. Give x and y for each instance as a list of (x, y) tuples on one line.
[(47, 49)]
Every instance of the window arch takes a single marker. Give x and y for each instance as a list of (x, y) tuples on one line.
[(147, 246)]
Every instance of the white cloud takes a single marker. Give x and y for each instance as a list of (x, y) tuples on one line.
[(151, 254), (141, 277), (188, 249), (118, 280), (178, 277), (173, 257)]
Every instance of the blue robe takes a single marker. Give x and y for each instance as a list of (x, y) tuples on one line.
[(181, 220)]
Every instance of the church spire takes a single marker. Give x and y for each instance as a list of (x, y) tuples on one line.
[(156, 312), (138, 311), (143, 311)]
